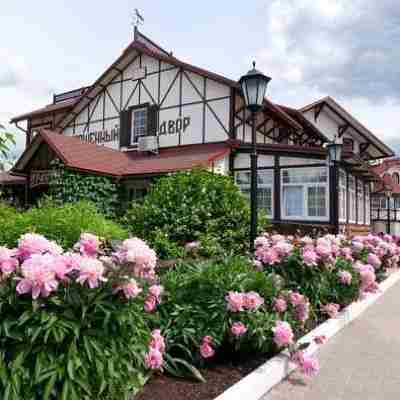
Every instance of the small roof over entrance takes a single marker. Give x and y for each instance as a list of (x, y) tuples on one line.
[(7, 179), (91, 158)]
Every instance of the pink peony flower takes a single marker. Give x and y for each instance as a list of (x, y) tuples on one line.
[(357, 247), (238, 329), (235, 301), (88, 245), (252, 300), (156, 291), (157, 341), (374, 260), (38, 276), (323, 251), (150, 303), (261, 241), (139, 256), (130, 289), (302, 311), (345, 277), (283, 334), (322, 339), (280, 305), (154, 359), (307, 364), (296, 298), (283, 248), (32, 243), (310, 257), (8, 262), (192, 246), (90, 271), (331, 309), (206, 349)]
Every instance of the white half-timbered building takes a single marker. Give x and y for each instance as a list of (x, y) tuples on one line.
[(150, 114)]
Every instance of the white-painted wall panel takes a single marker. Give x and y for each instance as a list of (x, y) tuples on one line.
[(184, 116), (242, 160)]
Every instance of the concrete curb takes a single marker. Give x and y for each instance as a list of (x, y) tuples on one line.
[(259, 382)]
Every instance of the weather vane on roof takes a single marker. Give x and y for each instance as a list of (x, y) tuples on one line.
[(137, 18)]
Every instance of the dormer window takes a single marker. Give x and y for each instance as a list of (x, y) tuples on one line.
[(139, 124)]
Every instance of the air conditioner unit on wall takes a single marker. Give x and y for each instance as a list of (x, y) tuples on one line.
[(148, 143)]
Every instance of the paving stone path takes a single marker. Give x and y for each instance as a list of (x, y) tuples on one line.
[(362, 362)]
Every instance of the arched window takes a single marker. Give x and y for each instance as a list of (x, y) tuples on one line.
[(396, 178)]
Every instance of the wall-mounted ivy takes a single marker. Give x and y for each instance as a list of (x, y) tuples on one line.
[(68, 186)]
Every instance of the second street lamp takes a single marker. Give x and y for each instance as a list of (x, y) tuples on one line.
[(254, 85)]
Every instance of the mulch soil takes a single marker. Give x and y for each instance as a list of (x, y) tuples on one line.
[(219, 378)]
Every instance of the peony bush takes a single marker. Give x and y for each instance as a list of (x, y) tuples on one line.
[(215, 311), (74, 324)]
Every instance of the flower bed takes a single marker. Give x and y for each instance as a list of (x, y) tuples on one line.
[(94, 322), (220, 315)]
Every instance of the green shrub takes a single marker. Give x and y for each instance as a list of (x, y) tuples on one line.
[(61, 223), (193, 206), (77, 344), (71, 187), (195, 306)]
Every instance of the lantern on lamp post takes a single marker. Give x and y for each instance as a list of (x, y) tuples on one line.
[(254, 86)]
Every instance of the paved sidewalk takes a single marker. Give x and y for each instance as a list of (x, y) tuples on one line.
[(362, 362)]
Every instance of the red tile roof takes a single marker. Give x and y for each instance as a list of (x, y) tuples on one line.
[(387, 181), (10, 180), (90, 157)]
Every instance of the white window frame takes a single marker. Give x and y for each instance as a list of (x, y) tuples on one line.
[(360, 203), (342, 196), (352, 199), (133, 135), (305, 185), (270, 186)]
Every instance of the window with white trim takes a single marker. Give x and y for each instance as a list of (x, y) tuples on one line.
[(352, 199), (305, 193), (139, 124), (367, 204), (342, 196), (360, 202), (379, 202), (265, 185)]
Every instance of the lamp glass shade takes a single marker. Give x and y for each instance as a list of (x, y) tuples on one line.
[(254, 86), (334, 152)]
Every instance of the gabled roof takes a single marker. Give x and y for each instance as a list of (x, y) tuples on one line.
[(92, 158), (354, 123), (47, 110), (141, 44), (303, 121), (144, 45)]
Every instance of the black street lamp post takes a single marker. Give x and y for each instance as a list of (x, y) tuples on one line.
[(334, 157), (388, 194), (254, 85)]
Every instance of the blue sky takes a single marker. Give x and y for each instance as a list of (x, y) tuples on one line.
[(309, 48)]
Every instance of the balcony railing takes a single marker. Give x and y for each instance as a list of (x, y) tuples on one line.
[(381, 214)]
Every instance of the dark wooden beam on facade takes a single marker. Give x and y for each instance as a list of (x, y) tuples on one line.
[(342, 129), (317, 111)]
